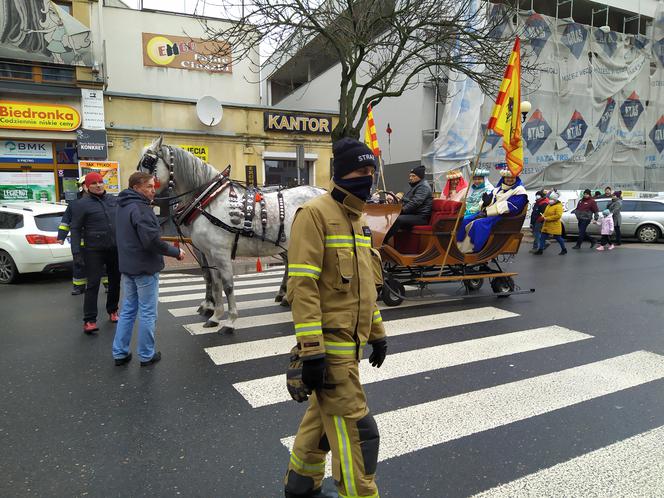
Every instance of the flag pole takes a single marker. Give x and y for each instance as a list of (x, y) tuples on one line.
[(463, 202), (382, 171)]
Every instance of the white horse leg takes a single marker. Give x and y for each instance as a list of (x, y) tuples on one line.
[(216, 290), (206, 309), (226, 272), (281, 295)]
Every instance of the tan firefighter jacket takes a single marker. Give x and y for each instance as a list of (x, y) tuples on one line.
[(332, 277)]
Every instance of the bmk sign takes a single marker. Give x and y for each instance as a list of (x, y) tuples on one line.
[(14, 151)]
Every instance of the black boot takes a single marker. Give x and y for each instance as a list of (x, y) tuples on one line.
[(562, 252), (539, 252)]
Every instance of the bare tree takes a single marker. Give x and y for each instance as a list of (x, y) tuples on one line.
[(384, 47)]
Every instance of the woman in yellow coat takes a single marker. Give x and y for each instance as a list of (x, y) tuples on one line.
[(552, 226)]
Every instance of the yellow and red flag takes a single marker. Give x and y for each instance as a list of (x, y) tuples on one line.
[(370, 137), (506, 116)]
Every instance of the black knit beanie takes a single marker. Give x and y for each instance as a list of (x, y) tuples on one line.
[(349, 155), (419, 171)]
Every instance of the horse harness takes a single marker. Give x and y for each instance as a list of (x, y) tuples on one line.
[(204, 195)]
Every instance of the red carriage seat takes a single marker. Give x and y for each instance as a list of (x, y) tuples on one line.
[(410, 242)]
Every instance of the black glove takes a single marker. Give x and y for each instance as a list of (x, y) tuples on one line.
[(486, 198), (313, 373), (79, 259), (481, 214), (379, 353)]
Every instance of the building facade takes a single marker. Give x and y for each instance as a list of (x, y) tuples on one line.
[(50, 64)]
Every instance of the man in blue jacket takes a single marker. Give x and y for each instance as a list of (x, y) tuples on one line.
[(141, 254)]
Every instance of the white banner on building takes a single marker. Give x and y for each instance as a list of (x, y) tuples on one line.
[(92, 106)]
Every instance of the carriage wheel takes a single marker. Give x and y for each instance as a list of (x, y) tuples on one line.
[(473, 285), (502, 286), (392, 293)]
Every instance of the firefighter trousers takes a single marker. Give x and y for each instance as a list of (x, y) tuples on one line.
[(336, 420)]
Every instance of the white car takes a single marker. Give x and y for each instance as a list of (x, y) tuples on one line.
[(28, 239)]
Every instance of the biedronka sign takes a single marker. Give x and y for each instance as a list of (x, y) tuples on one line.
[(38, 116)]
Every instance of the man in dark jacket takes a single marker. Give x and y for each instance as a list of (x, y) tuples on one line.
[(585, 211), (141, 252), (93, 227), (417, 203), (78, 271)]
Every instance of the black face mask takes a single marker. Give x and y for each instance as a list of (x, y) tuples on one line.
[(360, 186)]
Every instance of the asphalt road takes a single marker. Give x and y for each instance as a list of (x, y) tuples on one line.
[(560, 392)]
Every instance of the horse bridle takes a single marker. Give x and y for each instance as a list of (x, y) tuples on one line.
[(149, 162)]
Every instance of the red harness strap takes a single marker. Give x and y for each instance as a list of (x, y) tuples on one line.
[(205, 201)]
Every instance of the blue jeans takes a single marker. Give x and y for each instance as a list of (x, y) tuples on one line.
[(545, 236), (140, 295), (537, 233)]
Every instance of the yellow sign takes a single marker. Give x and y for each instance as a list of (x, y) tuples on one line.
[(182, 52), (38, 116), (200, 151), (109, 170)]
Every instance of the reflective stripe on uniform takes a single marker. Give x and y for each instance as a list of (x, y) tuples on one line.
[(304, 271), (104, 280), (64, 226), (299, 464), (345, 454), (308, 328), (342, 348), (339, 241), (362, 241), (377, 318), (79, 281)]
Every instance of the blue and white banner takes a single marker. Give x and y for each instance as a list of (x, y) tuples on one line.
[(18, 152)]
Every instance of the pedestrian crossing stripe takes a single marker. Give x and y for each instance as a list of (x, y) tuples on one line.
[(236, 285), (252, 350), (260, 320), (201, 295), (634, 466), (270, 390), (406, 430)]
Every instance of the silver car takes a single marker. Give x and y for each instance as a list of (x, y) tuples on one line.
[(641, 218)]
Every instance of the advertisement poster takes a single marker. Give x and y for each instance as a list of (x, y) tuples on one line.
[(92, 108), (15, 151), (27, 186), (91, 144), (109, 170), (38, 116), (182, 52)]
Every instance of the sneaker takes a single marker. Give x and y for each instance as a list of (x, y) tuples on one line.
[(563, 252), (611, 247), (599, 248), (154, 359), (113, 317), (90, 327), (539, 252), (77, 290), (576, 247), (122, 361)]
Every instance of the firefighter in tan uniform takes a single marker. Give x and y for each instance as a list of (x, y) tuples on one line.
[(333, 273)]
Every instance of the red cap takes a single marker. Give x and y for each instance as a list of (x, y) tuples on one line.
[(93, 177)]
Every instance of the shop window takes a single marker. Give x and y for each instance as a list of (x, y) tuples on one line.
[(65, 153), (284, 172), (37, 74), (66, 6)]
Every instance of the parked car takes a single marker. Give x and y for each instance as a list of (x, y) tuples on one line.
[(641, 218), (28, 239)]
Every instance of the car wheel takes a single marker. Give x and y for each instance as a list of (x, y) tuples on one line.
[(8, 271), (503, 286), (648, 234), (392, 293)]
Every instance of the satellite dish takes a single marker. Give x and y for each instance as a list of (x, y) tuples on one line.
[(209, 111)]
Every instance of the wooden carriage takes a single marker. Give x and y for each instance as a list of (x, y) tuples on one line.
[(420, 256)]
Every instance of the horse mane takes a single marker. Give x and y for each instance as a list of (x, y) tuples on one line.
[(192, 170)]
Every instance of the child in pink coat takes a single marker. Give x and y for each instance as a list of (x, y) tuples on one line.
[(606, 230)]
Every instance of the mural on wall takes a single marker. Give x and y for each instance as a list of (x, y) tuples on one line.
[(41, 31)]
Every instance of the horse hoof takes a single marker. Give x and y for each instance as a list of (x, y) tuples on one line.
[(278, 299), (284, 303), (210, 324), (226, 330)]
